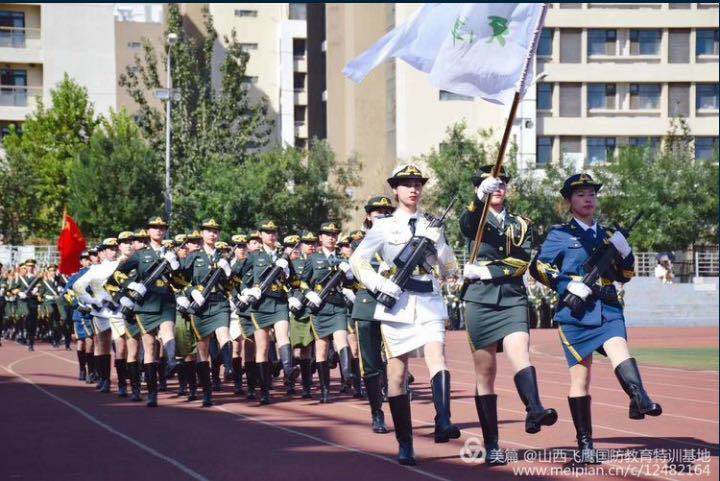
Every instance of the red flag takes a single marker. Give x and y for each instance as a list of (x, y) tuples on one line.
[(71, 244)]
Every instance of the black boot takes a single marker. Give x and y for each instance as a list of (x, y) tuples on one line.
[(182, 378), (215, 369), (191, 372), (81, 362), (486, 407), (105, 373), (162, 379), (264, 376), (357, 380), (121, 369), (237, 370), (251, 371), (90, 359), (640, 403), (445, 430), (374, 393), (134, 372), (151, 374), (289, 369), (346, 367), (527, 388), (227, 360), (324, 376), (203, 369), (582, 419), (306, 375), (400, 410)]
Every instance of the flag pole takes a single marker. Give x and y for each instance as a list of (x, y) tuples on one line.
[(508, 127)]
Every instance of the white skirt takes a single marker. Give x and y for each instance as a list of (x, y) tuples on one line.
[(101, 324), (235, 329), (402, 337)]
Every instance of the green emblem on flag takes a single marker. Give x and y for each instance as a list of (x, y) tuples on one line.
[(500, 29), (461, 33)]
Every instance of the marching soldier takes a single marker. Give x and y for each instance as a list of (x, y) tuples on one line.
[(29, 295), (301, 334), (247, 327), (496, 308), (184, 335), (600, 324), (82, 325), (51, 295)]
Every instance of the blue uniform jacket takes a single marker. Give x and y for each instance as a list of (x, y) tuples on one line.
[(560, 260), (77, 315)]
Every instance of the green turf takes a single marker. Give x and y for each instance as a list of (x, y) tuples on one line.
[(705, 358)]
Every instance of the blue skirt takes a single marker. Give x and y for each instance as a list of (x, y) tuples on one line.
[(83, 329), (579, 342)]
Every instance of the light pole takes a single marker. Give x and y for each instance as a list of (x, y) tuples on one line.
[(171, 40)]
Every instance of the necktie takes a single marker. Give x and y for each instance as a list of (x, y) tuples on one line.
[(412, 223)]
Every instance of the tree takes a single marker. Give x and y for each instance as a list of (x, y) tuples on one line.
[(115, 182), (38, 160)]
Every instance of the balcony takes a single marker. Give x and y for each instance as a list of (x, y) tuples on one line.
[(300, 97), (301, 129), (17, 102), (20, 45)]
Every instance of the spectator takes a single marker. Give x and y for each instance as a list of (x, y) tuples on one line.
[(663, 269)]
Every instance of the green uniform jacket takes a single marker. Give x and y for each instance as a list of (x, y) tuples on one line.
[(252, 273), (158, 295), (316, 269), (505, 251), (196, 268), (365, 301), (32, 300), (51, 294)]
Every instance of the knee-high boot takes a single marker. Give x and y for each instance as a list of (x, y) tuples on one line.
[(402, 419)]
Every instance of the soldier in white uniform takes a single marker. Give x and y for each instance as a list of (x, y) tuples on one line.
[(418, 318)]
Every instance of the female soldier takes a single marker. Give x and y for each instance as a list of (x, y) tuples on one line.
[(367, 328), (212, 315), (186, 342), (599, 325), (301, 334), (496, 308), (246, 325), (418, 318), (332, 319)]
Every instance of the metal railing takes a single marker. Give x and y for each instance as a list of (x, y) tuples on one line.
[(16, 37), (14, 255), (17, 96)]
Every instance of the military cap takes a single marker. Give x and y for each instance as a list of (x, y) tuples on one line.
[(222, 245), (485, 171), (93, 251), (168, 243), (343, 241), (156, 221), (357, 235), (239, 239), (379, 202), (141, 234), (267, 225), (576, 181), (329, 228), (308, 236), (291, 240), (194, 237), (125, 236), (405, 172), (254, 235), (85, 255), (29, 262), (109, 243), (180, 239), (210, 224)]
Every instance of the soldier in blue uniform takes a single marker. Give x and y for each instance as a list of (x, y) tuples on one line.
[(600, 326), (496, 308), (82, 325)]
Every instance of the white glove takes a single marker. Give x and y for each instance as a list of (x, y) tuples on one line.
[(432, 233), (283, 264), (197, 297), (127, 302), (487, 187), (349, 295), (225, 266), (183, 302), (390, 288), (35, 291), (294, 303), (579, 289), (243, 299), (253, 293), (172, 260), (313, 298), (137, 287), (89, 300), (22, 295), (621, 244), (384, 268), (345, 267), (474, 271)]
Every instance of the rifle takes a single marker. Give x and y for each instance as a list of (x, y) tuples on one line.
[(268, 279), (414, 254), (212, 279), (32, 285), (330, 283), (596, 266)]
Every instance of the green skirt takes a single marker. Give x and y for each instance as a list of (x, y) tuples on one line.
[(150, 323), (325, 325), (272, 312), (205, 324), (488, 324), (246, 326), (301, 334), (185, 341)]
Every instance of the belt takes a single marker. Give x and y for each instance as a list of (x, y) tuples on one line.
[(415, 285), (606, 294), (160, 283)]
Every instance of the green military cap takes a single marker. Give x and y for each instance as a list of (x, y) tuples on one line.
[(85, 255), (180, 239), (267, 226), (308, 236), (405, 172), (156, 221), (357, 235), (168, 243), (485, 171), (29, 262), (379, 202), (254, 235), (576, 181), (239, 239), (125, 236), (329, 228), (141, 234), (222, 245), (291, 240), (343, 241), (210, 224), (194, 237), (109, 243)]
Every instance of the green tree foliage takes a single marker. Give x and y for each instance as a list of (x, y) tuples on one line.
[(34, 174), (116, 180)]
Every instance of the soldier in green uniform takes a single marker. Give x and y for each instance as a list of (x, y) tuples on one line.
[(496, 308), (51, 295), (367, 329), (185, 337), (29, 293), (247, 327), (301, 335), (212, 315), (535, 300), (332, 319), (239, 249), (269, 310), (345, 250), (156, 315)]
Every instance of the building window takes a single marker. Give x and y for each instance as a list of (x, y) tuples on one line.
[(645, 96), (12, 29), (299, 48), (246, 13), (134, 44), (544, 96), (570, 45), (642, 142), (299, 113), (570, 100), (299, 81), (679, 100), (679, 51), (707, 41), (445, 95), (545, 44), (298, 11), (706, 96), (706, 148), (600, 149), (570, 5), (602, 42), (601, 96), (570, 150), (679, 6), (13, 87), (248, 46), (645, 42), (544, 151)]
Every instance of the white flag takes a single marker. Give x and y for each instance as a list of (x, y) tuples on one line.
[(474, 49)]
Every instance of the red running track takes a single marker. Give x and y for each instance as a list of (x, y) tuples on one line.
[(54, 427)]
